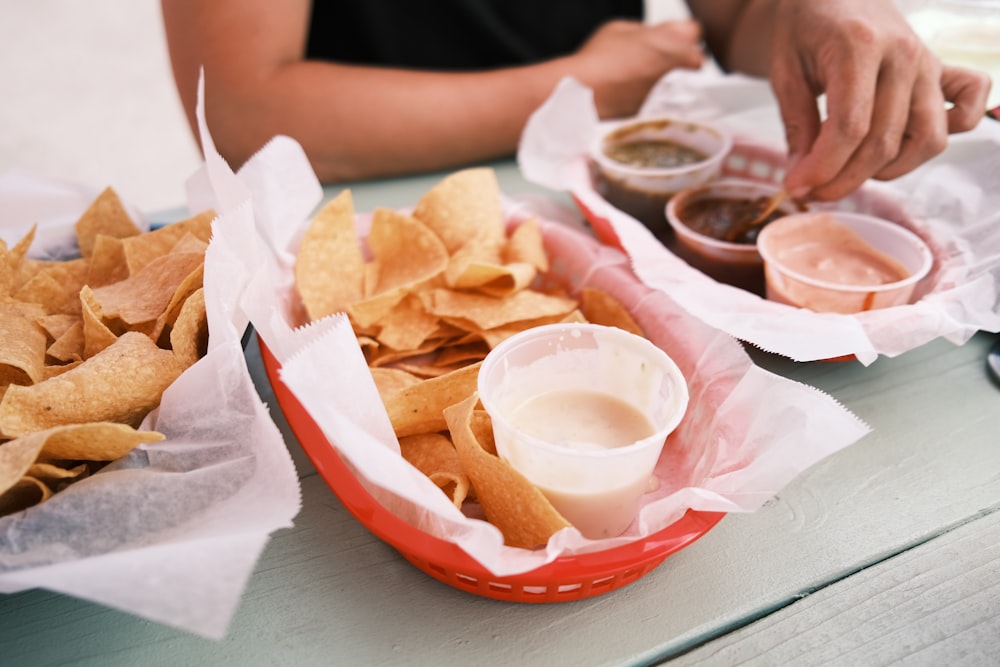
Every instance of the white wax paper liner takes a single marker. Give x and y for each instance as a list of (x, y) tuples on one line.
[(172, 531), (953, 202)]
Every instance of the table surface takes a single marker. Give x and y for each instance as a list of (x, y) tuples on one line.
[(888, 551)]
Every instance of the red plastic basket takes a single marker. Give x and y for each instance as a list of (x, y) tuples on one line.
[(566, 578)]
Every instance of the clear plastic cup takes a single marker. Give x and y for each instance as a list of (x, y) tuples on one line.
[(783, 242), (583, 411), (643, 191)]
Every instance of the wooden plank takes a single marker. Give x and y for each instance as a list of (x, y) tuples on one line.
[(935, 604)]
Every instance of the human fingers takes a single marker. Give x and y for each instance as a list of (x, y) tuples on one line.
[(847, 70), (623, 60), (926, 133), (968, 91), (800, 116), (905, 127), (678, 43)]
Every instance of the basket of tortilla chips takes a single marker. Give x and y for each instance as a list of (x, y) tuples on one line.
[(428, 293)]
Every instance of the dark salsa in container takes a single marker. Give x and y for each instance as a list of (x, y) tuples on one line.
[(728, 219)]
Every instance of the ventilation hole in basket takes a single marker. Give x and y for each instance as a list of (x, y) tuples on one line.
[(633, 574), (569, 588), (535, 590), (500, 588), (737, 162), (760, 169), (436, 568), (602, 582), (466, 580)]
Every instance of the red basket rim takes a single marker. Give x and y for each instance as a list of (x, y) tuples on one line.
[(431, 553)]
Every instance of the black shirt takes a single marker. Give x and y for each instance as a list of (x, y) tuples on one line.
[(456, 34)]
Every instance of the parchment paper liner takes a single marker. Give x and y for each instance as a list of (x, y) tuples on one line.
[(953, 202)]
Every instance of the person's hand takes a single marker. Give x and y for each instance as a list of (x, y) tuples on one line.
[(886, 95), (623, 60)]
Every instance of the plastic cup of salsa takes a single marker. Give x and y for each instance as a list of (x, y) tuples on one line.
[(639, 164), (583, 411), (842, 262), (713, 232)]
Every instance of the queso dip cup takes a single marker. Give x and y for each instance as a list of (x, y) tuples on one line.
[(582, 411)]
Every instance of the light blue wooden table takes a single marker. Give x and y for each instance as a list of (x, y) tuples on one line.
[(887, 552)]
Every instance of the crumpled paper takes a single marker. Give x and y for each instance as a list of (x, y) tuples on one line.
[(28, 198), (747, 432), (172, 531), (953, 202)]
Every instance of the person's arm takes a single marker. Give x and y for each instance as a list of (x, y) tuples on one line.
[(359, 122), (886, 93)]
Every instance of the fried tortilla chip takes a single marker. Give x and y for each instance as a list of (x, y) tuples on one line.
[(600, 307), (107, 216), (22, 347), (526, 245), (329, 267), (487, 312), (146, 295), (141, 250), (420, 408), (462, 206), (189, 334), (434, 455), (520, 511), (406, 251), (122, 383)]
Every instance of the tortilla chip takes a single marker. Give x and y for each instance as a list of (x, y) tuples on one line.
[(434, 455), (407, 326), (12, 263), (107, 216), (487, 312), (388, 381), (96, 334), (55, 286), (189, 334), (141, 250), (24, 493), (407, 251), (122, 383), (514, 505), (462, 206), (107, 261), (329, 267), (526, 245), (22, 347), (57, 324), (70, 345), (497, 280), (420, 408), (600, 307), (94, 441)]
